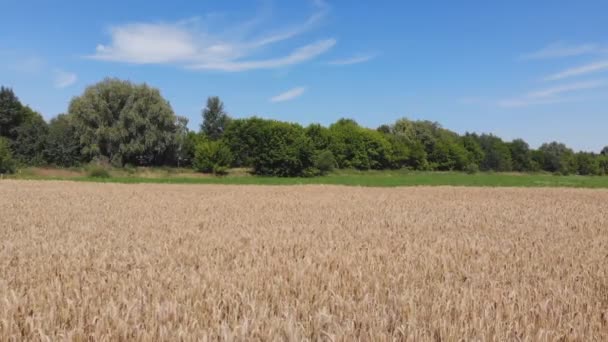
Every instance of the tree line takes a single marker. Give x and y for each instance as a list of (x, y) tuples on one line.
[(126, 124)]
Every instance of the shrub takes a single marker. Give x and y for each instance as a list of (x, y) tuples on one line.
[(471, 168), (7, 164), (211, 155), (220, 170), (325, 162), (97, 171)]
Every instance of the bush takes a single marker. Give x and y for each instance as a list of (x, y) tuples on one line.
[(220, 170), (471, 168), (211, 155), (325, 162), (7, 164), (96, 171)]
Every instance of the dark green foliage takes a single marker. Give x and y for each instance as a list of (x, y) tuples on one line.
[(62, 143), (11, 113), (242, 136), (603, 164), (556, 157), (30, 138), (472, 168), (497, 156), (119, 123), (358, 147), (587, 164), (215, 120), (320, 136), (520, 155), (125, 122), (210, 155), (325, 162), (7, 164), (97, 171), (282, 149), (400, 151), (386, 129), (472, 144)]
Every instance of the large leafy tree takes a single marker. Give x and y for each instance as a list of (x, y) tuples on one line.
[(23, 127), (215, 119), (283, 149), (125, 122), (557, 157)]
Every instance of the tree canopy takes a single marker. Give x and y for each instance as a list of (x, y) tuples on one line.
[(129, 123)]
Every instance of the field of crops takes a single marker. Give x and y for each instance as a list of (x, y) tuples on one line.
[(87, 261)]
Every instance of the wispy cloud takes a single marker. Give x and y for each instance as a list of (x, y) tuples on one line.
[(187, 44), (353, 60), (29, 65), (552, 95), (591, 68), (560, 50), (299, 55), (289, 95), (64, 79)]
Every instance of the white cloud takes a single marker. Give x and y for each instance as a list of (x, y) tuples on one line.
[(185, 43), (559, 50), (552, 95), (586, 69), (63, 79), (289, 95), (352, 60)]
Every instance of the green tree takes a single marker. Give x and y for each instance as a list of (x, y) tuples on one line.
[(30, 138), (588, 164), (556, 157), (520, 155), (7, 164), (476, 155), (243, 136), (215, 119), (11, 113), (401, 151), (282, 149), (603, 164), (358, 147), (604, 151), (62, 146), (125, 122), (325, 162), (497, 156), (319, 135), (211, 155)]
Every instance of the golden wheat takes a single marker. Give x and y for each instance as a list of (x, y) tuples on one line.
[(172, 262)]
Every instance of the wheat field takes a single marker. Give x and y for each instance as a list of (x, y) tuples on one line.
[(115, 262)]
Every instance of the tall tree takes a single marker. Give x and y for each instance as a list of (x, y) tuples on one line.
[(215, 119), (11, 113), (62, 146), (520, 155), (124, 122), (30, 138), (556, 157), (496, 152)]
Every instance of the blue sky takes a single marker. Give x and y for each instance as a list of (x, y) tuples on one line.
[(536, 70)]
